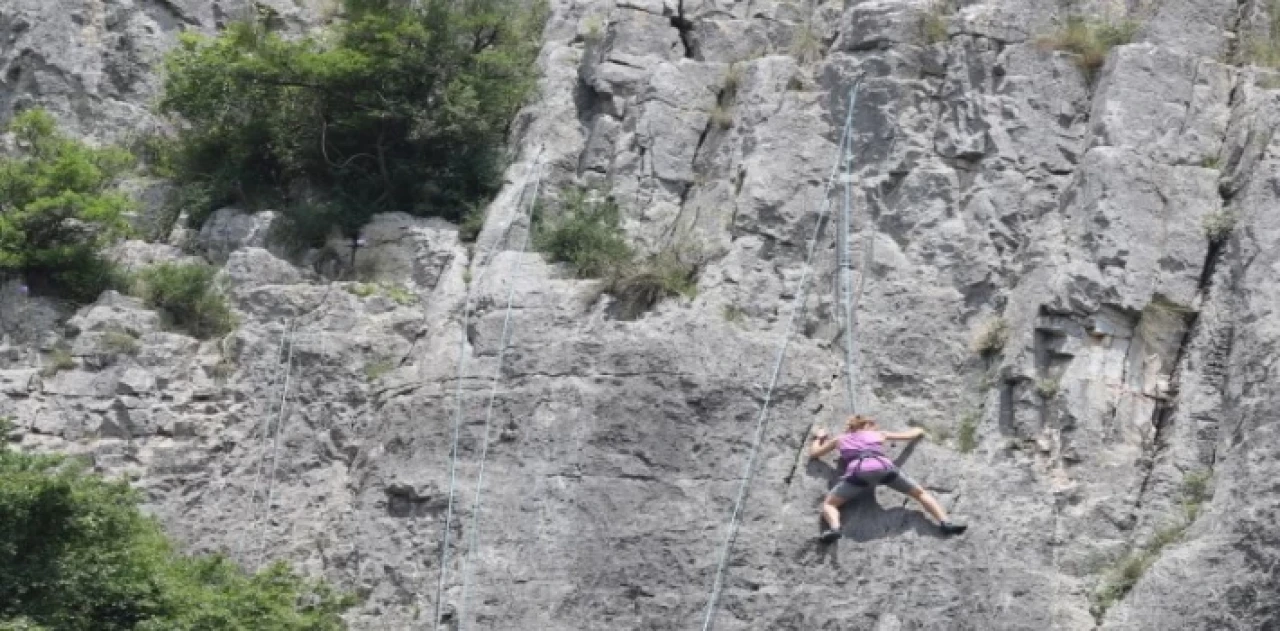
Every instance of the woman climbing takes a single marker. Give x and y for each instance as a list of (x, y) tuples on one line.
[(866, 465)]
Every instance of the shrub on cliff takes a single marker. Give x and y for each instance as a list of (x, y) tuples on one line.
[(586, 232), (77, 555), (187, 299), (401, 106), (58, 209)]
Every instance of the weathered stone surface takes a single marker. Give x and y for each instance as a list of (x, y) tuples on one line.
[(230, 229), (994, 180)]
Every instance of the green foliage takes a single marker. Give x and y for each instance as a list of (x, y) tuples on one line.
[(1219, 225), (57, 209), (640, 285), (933, 22), (1090, 40), (592, 29), (1048, 388), (967, 434), (374, 370), (1121, 578), (187, 299), (60, 359), (77, 555), (399, 295), (722, 116), (990, 337), (362, 290), (732, 313), (1211, 162), (396, 293), (1264, 50), (471, 225), (119, 343), (586, 233), (1195, 492), (402, 106), (806, 45)]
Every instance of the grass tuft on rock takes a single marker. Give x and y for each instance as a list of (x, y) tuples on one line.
[(1090, 40), (967, 434), (933, 21), (1219, 225), (990, 337), (59, 359), (119, 342)]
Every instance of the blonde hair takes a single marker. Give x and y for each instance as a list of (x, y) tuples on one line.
[(858, 422)]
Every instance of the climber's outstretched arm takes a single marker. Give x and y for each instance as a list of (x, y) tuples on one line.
[(910, 434), (822, 444)]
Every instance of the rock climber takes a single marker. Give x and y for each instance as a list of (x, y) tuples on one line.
[(862, 449)]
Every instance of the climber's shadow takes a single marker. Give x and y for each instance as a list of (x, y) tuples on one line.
[(864, 519)]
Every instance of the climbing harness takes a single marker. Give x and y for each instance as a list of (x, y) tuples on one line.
[(797, 306), (457, 418)]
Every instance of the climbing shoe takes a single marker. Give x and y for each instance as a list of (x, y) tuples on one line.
[(829, 536), (952, 528)]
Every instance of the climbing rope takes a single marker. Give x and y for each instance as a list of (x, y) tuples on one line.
[(286, 349), (797, 306), (275, 443), (457, 418), (286, 341), (503, 340), (845, 257)]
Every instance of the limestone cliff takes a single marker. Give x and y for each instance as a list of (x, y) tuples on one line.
[(995, 181)]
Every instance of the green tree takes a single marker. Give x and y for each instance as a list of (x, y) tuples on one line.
[(76, 554), (57, 209), (396, 108)]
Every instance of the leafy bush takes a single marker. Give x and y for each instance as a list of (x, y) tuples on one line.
[(187, 299), (77, 555), (57, 209), (1090, 40), (402, 106), (585, 233)]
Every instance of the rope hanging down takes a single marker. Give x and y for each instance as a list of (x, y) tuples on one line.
[(797, 306), (457, 418), (286, 344), (845, 256), (503, 340)]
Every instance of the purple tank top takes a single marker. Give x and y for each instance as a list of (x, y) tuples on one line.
[(864, 442)]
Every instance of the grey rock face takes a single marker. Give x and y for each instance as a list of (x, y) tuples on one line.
[(1128, 418)]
